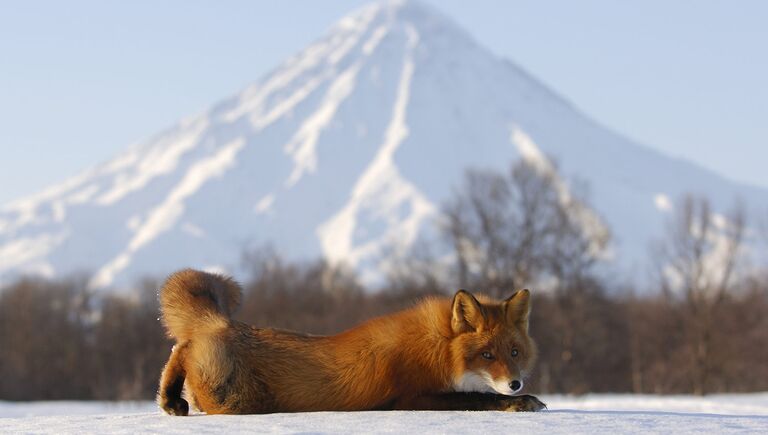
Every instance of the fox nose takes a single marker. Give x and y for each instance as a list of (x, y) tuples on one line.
[(516, 385)]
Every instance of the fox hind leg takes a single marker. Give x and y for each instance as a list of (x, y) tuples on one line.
[(172, 383)]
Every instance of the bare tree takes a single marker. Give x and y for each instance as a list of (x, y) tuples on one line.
[(509, 231), (58, 341), (314, 296), (698, 259), (527, 228), (418, 269), (129, 345), (43, 333)]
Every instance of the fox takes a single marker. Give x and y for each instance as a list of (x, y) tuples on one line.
[(462, 353)]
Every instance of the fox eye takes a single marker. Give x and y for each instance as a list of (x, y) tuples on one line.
[(515, 352), (487, 355)]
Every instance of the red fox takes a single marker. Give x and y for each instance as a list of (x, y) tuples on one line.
[(464, 353)]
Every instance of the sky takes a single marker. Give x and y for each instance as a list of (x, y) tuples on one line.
[(83, 79)]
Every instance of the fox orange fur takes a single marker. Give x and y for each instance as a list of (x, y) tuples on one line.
[(442, 354)]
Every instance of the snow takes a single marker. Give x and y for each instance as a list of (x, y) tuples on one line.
[(284, 107), (594, 414), (662, 202), (381, 189), (192, 229), (161, 159), (26, 206), (371, 44), (166, 214), (253, 100), (264, 205), (591, 224), (531, 153), (19, 252), (302, 147)]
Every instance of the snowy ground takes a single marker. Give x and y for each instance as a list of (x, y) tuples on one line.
[(742, 413)]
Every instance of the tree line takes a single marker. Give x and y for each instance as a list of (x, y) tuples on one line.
[(701, 327)]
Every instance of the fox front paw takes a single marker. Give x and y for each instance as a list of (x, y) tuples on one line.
[(176, 406), (524, 403)]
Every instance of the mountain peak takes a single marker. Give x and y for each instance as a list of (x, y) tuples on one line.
[(345, 151), (394, 14)]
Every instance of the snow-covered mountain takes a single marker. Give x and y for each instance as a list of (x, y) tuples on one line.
[(346, 151)]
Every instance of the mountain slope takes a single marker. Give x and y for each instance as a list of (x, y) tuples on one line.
[(346, 151)]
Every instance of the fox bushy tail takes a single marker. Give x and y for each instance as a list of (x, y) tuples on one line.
[(193, 302)]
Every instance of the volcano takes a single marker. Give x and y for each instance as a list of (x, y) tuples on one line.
[(346, 151)]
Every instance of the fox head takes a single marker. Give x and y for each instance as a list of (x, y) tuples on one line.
[(492, 351)]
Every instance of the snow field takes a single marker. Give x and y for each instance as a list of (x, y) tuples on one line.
[(727, 413)]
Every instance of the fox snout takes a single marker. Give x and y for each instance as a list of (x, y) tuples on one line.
[(503, 386)]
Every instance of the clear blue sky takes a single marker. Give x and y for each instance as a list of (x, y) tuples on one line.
[(80, 80)]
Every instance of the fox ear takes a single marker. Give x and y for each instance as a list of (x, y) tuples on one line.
[(518, 308), (467, 314)]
